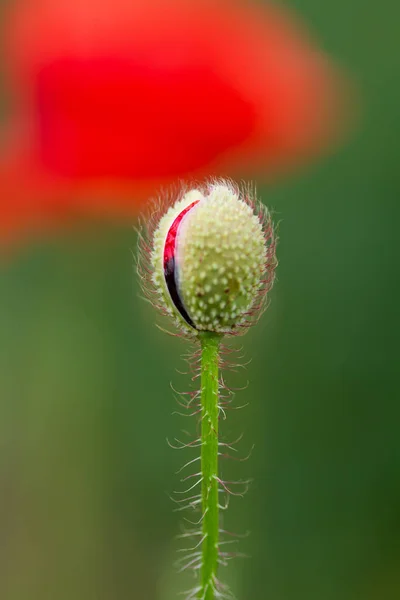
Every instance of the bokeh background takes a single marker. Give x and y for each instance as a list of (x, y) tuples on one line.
[(85, 402)]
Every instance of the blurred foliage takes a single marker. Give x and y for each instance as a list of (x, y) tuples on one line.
[(86, 404)]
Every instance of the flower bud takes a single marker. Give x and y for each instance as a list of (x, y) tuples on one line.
[(213, 259)]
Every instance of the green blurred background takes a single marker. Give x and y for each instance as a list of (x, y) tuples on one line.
[(86, 405)]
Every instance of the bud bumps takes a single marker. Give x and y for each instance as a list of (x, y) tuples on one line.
[(211, 257)]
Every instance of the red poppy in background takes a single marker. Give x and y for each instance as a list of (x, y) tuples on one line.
[(111, 98)]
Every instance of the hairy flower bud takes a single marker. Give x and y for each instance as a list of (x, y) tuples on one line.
[(212, 259)]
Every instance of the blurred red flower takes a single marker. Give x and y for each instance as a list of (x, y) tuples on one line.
[(111, 98)]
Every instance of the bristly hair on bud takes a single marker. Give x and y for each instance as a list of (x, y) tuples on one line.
[(207, 257)]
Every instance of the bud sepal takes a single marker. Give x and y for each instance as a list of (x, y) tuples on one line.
[(208, 260)]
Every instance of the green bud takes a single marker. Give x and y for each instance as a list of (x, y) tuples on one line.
[(213, 259)]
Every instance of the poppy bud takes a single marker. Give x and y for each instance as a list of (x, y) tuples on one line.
[(213, 259)]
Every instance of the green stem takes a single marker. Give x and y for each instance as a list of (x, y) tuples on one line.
[(209, 461)]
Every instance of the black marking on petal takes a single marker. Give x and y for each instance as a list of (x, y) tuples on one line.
[(170, 280)]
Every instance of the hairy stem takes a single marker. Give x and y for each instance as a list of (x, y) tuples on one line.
[(209, 461)]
